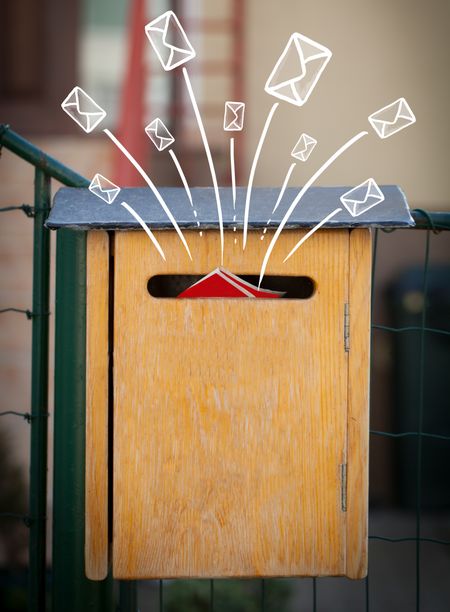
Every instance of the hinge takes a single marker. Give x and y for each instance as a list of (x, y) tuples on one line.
[(343, 467), (346, 327)]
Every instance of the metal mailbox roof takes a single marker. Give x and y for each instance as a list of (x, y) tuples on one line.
[(78, 208)]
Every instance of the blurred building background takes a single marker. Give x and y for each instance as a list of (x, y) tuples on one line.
[(381, 51)]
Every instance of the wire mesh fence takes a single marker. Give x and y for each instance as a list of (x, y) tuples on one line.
[(265, 594), (419, 434)]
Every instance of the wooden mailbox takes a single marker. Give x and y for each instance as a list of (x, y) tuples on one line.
[(239, 427)]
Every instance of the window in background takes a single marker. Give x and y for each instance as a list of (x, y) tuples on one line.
[(103, 53), (38, 45)]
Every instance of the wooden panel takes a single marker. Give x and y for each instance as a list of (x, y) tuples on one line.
[(96, 543), (358, 402), (230, 416)]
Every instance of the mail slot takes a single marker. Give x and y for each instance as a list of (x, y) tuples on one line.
[(290, 287), (233, 432)]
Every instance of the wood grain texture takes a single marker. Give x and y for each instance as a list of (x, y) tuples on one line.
[(96, 491), (230, 416), (358, 402)]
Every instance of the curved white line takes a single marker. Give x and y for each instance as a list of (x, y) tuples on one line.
[(285, 184), (233, 172), (145, 228), (152, 186), (311, 232), (300, 195), (212, 170), (182, 176), (253, 169)]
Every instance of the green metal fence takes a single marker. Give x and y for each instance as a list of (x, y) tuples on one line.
[(71, 591), (433, 223)]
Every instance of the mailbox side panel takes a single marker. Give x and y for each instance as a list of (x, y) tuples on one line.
[(230, 416), (358, 402), (96, 479)]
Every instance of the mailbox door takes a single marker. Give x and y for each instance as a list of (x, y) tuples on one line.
[(230, 416)]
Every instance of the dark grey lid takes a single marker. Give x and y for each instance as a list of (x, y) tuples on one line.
[(80, 209)]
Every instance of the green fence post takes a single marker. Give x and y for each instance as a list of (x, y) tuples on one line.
[(39, 396), (72, 591)]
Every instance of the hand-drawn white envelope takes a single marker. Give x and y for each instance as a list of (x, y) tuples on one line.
[(233, 120), (83, 109), (304, 147), (104, 189), (169, 41), (298, 70), (359, 199), (159, 134), (392, 118)]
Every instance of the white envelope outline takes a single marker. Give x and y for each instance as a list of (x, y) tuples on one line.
[(169, 54), (304, 147), (83, 109), (362, 197), (159, 134), (311, 57), (104, 189), (392, 118), (233, 120)]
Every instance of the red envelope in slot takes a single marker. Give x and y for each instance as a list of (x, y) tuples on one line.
[(223, 284), (257, 293)]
